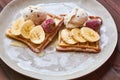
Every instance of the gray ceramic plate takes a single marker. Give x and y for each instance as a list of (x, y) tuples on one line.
[(56, 65)]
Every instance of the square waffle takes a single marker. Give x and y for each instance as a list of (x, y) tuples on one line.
[(78, 47), (37, 48)]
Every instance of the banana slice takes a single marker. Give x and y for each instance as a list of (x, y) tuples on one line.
[(75, 33), (65, 35), (16, 27), (37, 35), (26, 27), (89, 34)]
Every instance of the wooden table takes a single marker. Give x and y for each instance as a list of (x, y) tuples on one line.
[(109, 71)]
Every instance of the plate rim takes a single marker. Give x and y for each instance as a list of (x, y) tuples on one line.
[(70, 77)]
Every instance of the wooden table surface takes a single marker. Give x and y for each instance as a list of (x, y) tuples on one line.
[(109, 71)]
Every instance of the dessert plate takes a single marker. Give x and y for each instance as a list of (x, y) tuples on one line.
[(56, 65)]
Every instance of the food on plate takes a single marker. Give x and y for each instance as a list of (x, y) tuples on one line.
[(36, 14), (65, 35), (76, 18), (37, 35), (94, 23), (16, 27), (35, 28), (38, 17), (80, 33), (49, 25), (89, 34), (26, 28), (76, 35)]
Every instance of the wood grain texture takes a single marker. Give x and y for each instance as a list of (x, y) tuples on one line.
[(109, 71), (11, 74), (113, 6), (3, 76)]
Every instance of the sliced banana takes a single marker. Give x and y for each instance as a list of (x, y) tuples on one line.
[(89, 34), (65, 35), (26, 28), (16, 27), (75, 33), (37, 35)]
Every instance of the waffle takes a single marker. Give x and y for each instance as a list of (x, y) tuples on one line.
[(78, 47), (49, 36)]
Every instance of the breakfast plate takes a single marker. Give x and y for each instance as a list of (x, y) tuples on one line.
[(52, 64)]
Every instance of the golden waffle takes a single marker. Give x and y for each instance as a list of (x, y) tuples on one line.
[(49, 36), (78, 47)]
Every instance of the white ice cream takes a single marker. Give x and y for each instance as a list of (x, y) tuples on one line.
[(76, 18), (29, 10)]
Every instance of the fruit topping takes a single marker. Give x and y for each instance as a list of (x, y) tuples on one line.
[(66, 37), (89, 34), (26, 27), (94, 24), (75, 33), (37, 35), (49, 25), (16, 27)]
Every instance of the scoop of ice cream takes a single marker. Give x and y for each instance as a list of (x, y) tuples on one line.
[(49, 25), (38, 17), (35, 13), (76, 18)]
